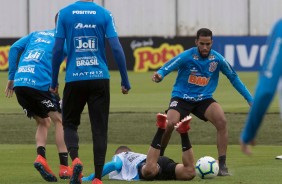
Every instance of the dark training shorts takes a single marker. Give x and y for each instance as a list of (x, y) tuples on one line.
[(36, 102), (96, 93), (185, 108), (166, 171)]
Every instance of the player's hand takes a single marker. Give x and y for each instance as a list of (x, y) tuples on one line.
[(9, 91), (245, 148), (124, 90), (54, 91), (156, 77)]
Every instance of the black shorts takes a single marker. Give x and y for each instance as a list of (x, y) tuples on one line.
[(96, 93), (166, 172), (185, 107), (167, 169), (36, 102)]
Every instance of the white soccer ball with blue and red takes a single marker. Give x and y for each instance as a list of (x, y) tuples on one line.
[(207, 167)]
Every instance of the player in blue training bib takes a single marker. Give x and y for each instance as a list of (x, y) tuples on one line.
[(198, 73)]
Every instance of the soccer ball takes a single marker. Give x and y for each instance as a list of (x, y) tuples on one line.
[(207, 167)]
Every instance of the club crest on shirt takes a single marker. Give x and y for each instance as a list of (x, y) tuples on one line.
[(211, 57), (213, 66), (195, 57)]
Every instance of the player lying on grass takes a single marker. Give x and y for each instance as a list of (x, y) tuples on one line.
[(128, 165)]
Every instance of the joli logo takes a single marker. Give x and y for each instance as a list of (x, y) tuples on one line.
[(34, 55), (83, 44)]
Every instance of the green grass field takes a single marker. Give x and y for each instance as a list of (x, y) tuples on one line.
[(131, 123)]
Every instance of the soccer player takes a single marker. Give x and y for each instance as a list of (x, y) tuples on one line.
[(128, 165), (269, 77), (198, 74), (85, 26), (31, 79)]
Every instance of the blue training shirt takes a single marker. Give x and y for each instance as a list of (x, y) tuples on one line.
[(270, 74), (198, 77), (85, 26), (34, 67)]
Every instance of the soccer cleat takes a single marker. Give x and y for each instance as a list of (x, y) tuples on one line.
[(223, 171), (88, 178), (77, 168), (161, 120), (43, 168), (279, 157), (97, 181), (184, 125), (65, 172)]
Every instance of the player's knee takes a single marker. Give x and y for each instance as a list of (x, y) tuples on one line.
[(190, 173), (43, 122), (170, 125), (149, 172), (190, 177), (46, 124), (220, 123), (56, 117), (223, 120)]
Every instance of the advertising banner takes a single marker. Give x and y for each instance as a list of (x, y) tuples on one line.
[(150, 53), (5, 44), (244, 53)]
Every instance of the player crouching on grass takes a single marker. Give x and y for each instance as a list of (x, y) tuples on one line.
[(128, 165)]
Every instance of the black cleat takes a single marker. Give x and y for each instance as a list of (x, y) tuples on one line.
[(223, 171)]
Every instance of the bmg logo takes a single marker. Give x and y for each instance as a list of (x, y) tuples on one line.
[(86, 44)]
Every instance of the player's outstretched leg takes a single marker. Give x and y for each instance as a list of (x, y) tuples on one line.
[(43, 168), (184, 125)]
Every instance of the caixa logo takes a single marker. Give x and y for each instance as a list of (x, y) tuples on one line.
[(86, 43)]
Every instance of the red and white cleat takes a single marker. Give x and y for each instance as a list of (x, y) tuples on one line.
[(161, 121), (184, 125)]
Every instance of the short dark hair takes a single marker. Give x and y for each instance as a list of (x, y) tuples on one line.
[(204, 32), (122, 149)]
